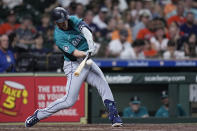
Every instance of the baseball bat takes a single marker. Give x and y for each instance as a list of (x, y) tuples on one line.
[(81, 66)]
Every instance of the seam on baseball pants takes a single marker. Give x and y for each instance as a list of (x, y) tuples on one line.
[(66, 94)]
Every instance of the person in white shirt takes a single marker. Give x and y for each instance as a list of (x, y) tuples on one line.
[(159, 42), (99, 19), (117, 46), (122, 49), (172, 53), (137, 49)]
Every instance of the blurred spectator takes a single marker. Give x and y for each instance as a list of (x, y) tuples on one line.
[(120, 47), (144, 17), (174, 35), (128, 19), (9, 26), (74, 6), (172, 53), (190, 6), (111, 29), (122, 5), (163, 111), (99, 19), (157, 11), (48, 40), (39, 49), (159, 40), (66, 3), (83, 2), (149, 52), (62, 3), (109, 5), (137, 49), (121, 26), (45, 24), (148, 4), (3, 13), (179, 18), (46, 30), (135, 7), (79, 10), (25, 34), (94, 28), (12, 3), (135, 110), (71, 8), (7, 60), (189, 27), (115, 13), (170, 8), (147, 32), (190, 46)]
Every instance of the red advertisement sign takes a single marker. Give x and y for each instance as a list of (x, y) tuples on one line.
[(16, 97), (50, 89), (20, 96)]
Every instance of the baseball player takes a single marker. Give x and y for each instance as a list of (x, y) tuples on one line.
[(74, 38)]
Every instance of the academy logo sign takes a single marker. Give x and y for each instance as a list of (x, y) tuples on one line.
[(158, 78), (122, 79), (143, 78)]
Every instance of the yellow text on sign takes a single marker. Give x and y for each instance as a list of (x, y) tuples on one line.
[(9, 102), (11, 92)]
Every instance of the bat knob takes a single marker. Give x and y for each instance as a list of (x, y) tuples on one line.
[(76, 74)]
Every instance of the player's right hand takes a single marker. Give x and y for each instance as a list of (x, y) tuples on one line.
[(92, 51)]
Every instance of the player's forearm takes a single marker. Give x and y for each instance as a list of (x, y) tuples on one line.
[(79, 54), (88, 35)]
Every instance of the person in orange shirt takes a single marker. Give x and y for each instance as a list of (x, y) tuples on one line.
[(9, 26), (149, 52), (116, 35), (179, 18), (146, 33)]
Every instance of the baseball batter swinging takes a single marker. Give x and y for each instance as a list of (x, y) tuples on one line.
[(74, 38)]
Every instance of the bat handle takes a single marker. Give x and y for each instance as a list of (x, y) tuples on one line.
[(81, 66)]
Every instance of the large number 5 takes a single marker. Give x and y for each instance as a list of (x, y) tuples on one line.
[(9, 102)]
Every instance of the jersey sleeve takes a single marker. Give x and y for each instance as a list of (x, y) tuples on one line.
[(78, 23), (65, 46)]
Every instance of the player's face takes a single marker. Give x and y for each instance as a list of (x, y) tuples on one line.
[(165, 101), (63, 25), (135, 107)]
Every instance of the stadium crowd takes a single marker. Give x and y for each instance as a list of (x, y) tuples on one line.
[(124, 29)]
